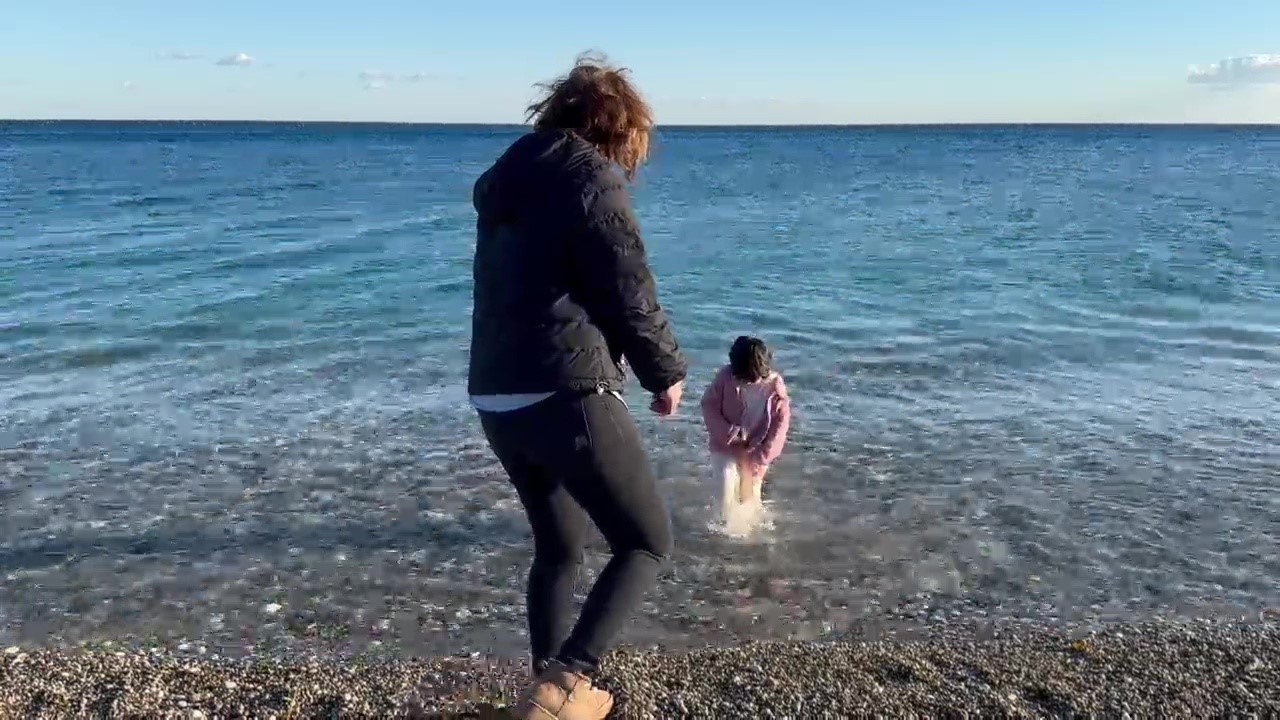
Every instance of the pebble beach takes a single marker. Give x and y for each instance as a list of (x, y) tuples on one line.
[(1166, 670)]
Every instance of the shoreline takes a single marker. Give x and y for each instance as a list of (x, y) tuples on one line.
[(1165, 669)]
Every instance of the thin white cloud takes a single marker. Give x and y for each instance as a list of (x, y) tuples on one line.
[(127, 85), (1243, 70), (180, 55), (237, 60), (374, 79), (378, 79)]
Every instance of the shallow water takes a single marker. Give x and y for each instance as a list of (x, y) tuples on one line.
[(1036, 372)]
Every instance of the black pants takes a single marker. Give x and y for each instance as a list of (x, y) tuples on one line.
[(574, 458)]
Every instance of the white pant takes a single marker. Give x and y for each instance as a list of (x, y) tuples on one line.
[(727, 478)]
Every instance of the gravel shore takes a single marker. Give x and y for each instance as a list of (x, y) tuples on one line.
[(1146, 670)]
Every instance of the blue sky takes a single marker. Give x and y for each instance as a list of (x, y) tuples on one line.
[(708, 61)]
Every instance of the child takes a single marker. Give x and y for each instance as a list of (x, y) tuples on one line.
[(747, 414)]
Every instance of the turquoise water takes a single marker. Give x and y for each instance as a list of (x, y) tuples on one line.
[(1036, 373)]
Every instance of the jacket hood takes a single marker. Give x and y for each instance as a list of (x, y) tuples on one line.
[(524, 169), (779, 387)]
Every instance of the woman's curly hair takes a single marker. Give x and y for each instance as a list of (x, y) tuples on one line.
[(598, 102)]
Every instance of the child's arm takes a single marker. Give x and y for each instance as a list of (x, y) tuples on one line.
[(776, 436), (720, 429)]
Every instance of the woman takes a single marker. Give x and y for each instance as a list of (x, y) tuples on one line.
[(563, 294)]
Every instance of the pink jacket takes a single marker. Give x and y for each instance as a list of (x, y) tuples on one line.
[(722, 412)]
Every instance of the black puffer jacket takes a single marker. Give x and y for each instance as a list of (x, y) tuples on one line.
[(563, 289)]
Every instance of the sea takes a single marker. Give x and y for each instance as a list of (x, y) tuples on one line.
[(1035, 374)]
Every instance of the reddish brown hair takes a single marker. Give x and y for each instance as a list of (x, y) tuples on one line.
[(598, 102)]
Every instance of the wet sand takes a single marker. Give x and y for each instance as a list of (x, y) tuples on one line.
[(1165, 670)]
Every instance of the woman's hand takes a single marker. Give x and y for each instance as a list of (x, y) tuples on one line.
[(666, 402)]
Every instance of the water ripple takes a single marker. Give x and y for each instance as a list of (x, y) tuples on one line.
[(1036, 372)]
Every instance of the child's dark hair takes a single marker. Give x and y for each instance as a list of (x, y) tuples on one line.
[(750, 359)]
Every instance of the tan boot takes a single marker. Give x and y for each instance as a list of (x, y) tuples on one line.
[(561, 694)]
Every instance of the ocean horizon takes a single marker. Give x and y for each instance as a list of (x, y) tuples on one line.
[(975, 125)]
